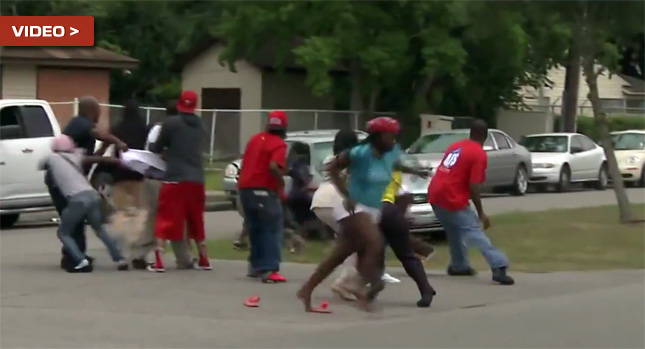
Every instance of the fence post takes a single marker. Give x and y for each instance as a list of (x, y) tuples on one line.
[(355, 121), (75, 106), (147, 116), (315, 120), (212, 145)]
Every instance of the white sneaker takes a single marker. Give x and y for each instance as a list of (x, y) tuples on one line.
[(84, 263), (390, 279)]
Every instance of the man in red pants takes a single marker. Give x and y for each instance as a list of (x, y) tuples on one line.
[(182, 196)]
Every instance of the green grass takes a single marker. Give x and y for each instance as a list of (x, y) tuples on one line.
[(213, 180), (554, 240)]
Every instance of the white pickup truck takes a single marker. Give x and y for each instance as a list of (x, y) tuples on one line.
[(26, 131)]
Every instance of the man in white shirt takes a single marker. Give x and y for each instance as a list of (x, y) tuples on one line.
[(152, 184)]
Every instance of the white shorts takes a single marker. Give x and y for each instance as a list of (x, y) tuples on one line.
[(339, 212)]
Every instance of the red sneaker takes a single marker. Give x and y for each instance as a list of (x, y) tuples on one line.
[(273, 277), (157, 266), (204, 263)]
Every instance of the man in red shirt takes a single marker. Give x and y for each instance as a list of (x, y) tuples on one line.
[(458, 178), (261, 186)]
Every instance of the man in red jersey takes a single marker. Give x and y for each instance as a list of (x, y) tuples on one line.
[(261, 186), (458, 178)]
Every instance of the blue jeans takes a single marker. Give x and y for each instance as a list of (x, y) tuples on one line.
[(80, 207), (464, 230), (264, 218), (60, 202)]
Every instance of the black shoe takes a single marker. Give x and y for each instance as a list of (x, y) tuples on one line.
[(465, 272), (122, 266), (89, 259), (499, 276), (426, 300), (65, 263), (239, 245), (140, 264)]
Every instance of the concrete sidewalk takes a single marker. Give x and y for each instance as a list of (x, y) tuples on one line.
[(44, 307)]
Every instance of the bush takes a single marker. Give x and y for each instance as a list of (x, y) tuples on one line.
[(587, 126)]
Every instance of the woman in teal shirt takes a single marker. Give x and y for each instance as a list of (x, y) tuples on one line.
[(370, 165)]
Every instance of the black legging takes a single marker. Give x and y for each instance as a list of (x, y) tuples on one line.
[(397, 234), (60, 202)]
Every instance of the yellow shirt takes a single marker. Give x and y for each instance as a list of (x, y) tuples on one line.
[(395, 187)]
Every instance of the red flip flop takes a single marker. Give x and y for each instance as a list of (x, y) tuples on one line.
[(322, 309), (252, 302)]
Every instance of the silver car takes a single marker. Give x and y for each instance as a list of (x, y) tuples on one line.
[(320, 144), (561, 159), (509, 163)]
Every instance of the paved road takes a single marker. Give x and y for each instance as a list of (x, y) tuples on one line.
[(227, 223), (44, 307)]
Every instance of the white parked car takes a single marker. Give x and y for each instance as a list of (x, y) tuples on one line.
[(629, 147), (565, 158), (26, 131)]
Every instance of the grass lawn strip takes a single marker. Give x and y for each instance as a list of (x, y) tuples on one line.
[(554, 240)]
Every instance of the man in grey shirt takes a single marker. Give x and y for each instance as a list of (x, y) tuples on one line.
[(182, 196), (83, 202)]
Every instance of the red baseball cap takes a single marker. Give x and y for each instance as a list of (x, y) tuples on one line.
[(187, 102), (277, 120)]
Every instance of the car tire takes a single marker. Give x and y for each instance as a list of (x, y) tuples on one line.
[(641, 182), (521, 182), (8, 220), (603, 177), (564, 183)]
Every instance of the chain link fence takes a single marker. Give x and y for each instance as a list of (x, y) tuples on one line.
[(223, 128)]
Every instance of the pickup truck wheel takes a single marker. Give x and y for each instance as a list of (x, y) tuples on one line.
[(565, 179), (521, 183), (8, 220)]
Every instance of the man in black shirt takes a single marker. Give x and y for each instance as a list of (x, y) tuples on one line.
[(84, 132)]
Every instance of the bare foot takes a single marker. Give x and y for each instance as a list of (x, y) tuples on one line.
[(305, 298)]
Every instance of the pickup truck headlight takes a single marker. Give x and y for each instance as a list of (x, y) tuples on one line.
[(543, 165), (231, 171)]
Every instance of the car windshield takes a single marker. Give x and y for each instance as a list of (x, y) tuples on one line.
[(629, 141), (546, 144), (436, 142)]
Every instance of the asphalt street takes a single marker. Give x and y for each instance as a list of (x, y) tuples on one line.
[(43, 307), (225, 224)]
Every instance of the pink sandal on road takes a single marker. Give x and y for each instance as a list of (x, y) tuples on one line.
[(252, 302)]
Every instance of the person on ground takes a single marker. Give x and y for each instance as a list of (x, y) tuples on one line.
[(261, 185), (370, 166), (141, 247), (65, 165), (456, 180), (182, 195), (83, 130)]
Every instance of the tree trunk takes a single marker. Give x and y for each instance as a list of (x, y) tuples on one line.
[(421, 94), (356, 101), (571, 87), (371, 106), (591, 76)]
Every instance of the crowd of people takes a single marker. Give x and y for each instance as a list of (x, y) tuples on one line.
[(362, 200)]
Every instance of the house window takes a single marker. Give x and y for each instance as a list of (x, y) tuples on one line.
[(612, 104), (636, 105)]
